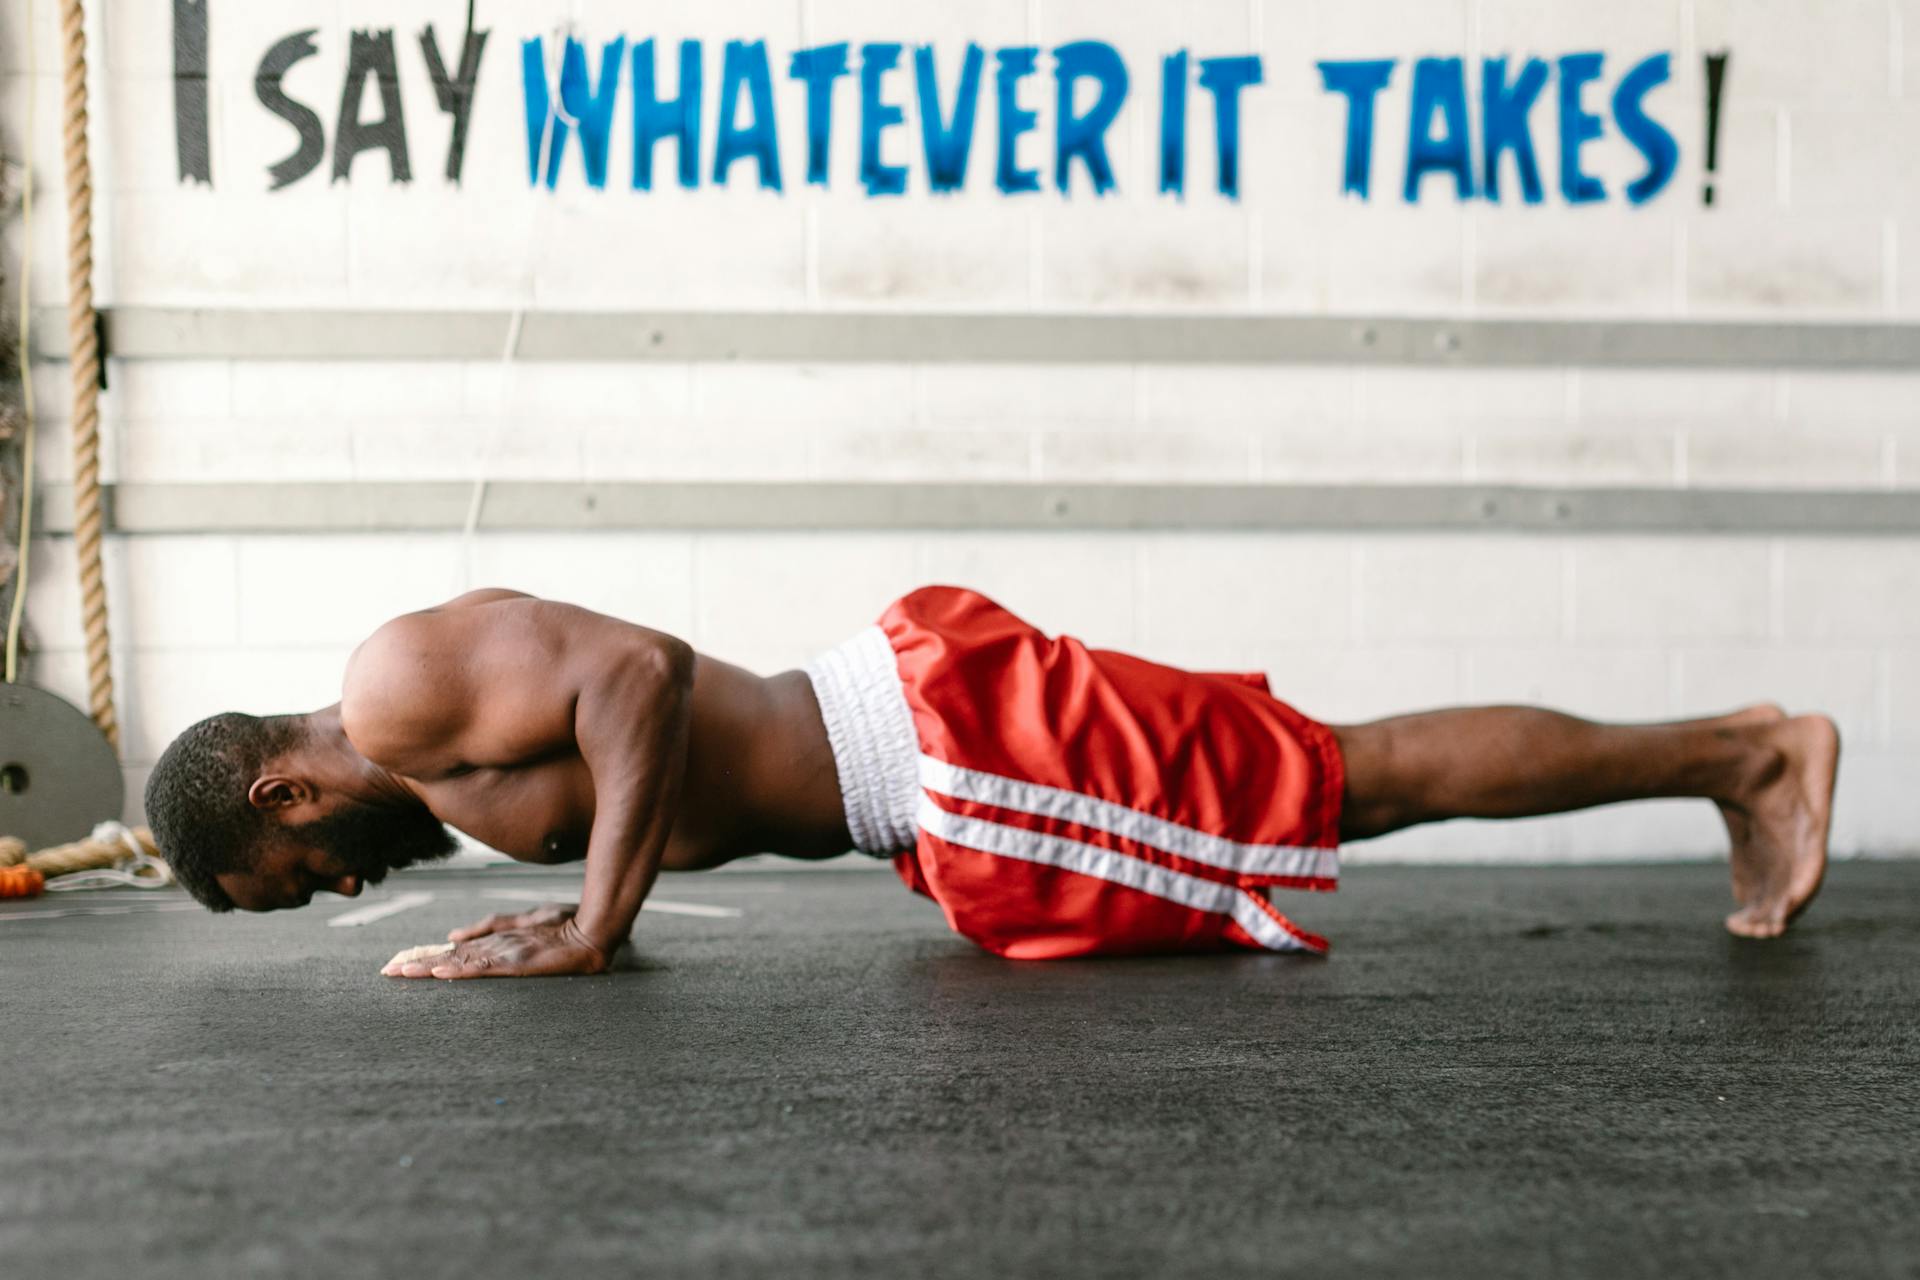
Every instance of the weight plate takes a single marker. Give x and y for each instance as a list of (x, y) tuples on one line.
[(58, 775)]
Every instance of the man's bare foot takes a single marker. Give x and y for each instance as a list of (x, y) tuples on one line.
[(1758, 713), (1733, 815), (1779, 821)]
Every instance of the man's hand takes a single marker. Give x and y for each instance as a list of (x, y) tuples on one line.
[(549, 948), (545, 913)]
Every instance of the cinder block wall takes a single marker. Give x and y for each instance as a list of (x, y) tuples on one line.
[(1816, 217)]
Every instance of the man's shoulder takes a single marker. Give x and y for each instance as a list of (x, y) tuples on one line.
[(389, 685), (404, 647)]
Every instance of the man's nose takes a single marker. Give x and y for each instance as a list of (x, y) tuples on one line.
[(347, 886)]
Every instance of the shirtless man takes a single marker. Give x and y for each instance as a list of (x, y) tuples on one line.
[(1053, 799)]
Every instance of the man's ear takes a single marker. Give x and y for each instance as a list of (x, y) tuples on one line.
[(278, 791)]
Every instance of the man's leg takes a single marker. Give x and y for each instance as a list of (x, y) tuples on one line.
[(1772, 778)]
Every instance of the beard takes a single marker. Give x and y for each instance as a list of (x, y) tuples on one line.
[(368, 841)]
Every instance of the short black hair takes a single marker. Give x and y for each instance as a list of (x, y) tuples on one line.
[(197, 802)]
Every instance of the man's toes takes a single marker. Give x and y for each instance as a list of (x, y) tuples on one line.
[(1751, 922)]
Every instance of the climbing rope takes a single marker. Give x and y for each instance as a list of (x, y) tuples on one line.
[(114, 855), (84, 366)]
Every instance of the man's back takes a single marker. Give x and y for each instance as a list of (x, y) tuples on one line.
[(759, 769)]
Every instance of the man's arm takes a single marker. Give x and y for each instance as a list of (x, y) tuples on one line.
[(513, 680)]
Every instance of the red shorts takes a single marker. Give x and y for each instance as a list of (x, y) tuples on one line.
[(1057, 800)]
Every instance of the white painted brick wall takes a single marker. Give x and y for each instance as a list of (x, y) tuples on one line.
[(1815, 265), (770, 603), (965, 250), (646, 577), (1850, 589), (1609, 262), (1629, 682), (209, 421), (1193, 456), (1466, 588), (1086, 579), (1845, 683), (1652, 589), (1227, 602), (333, 591), (1797, 54), (1902, 721), (916, 453)]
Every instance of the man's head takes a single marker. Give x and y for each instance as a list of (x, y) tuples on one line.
[(240, 812)]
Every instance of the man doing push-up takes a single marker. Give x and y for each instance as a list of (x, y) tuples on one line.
[(1054, 800)]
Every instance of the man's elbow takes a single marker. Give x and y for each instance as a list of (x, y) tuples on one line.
[(665, 663), (633, 694)]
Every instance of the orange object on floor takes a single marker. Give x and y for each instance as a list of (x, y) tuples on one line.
[(21, 882)]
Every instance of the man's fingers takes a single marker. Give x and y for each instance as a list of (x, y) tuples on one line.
[(439, 967), (422, 966), (480, 929), (453, 962), (415, 955), (502, 922), (411, 969), (461, 964)]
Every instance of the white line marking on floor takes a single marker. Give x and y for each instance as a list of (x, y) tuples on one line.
[(661, 905), (379, 910), (523, 895), (691, 909), (56, 912)]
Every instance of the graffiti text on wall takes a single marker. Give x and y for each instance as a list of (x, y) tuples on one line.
[(1472, 127)]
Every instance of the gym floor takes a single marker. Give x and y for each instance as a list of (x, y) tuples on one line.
[(1498, 1072)]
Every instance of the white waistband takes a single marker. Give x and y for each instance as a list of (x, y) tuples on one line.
[(875, 749)]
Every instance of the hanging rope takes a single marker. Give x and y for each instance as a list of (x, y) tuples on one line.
[(84, 365)]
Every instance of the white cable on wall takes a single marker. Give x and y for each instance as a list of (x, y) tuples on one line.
[(477, 496)]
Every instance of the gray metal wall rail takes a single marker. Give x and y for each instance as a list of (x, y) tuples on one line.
[(508, 506), (192, 333)]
